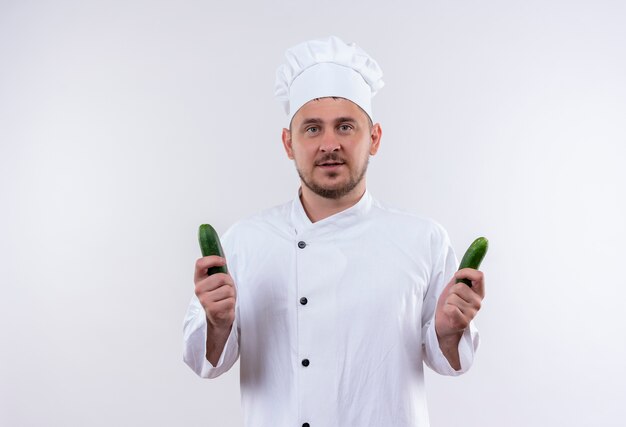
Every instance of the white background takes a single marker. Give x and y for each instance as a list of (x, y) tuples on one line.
[(124, 125)]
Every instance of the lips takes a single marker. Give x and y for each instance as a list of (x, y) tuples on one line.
[(330, 160), (330, 164)]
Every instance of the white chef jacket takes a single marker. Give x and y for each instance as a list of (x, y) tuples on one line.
[(333, 318)]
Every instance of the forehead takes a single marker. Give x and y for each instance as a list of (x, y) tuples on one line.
[(328, 109)]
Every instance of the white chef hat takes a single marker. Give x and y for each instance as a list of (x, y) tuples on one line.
[(327, 67)]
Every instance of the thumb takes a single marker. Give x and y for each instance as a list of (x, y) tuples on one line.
[(445, 292)]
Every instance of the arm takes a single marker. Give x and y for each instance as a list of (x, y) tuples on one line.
[(210, 329), (217, 296), (215, 342), (451, 354), (456, 308)]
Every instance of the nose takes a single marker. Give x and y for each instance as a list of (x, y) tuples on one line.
[(329, 143)]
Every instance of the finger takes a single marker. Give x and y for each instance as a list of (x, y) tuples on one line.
[(468, 295), (468, 309), (223, 293), (204, 263), (456, 320), (214, 281), (469, 273), (476, 278), (217, 295), (224, 305), (446, 290), (223, 311)]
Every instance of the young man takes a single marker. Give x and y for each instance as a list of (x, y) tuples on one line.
[(333, 302)]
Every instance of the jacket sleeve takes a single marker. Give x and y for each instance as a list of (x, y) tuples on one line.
[(194, 347), (195, 330), (444, 266)]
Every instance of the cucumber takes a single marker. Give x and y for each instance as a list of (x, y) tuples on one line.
[(210, 245), (473, 257)]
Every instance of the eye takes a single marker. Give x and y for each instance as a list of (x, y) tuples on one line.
[(312, 129), (345, 127)]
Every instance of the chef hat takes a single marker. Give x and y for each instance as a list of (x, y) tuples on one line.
[(327, 67)]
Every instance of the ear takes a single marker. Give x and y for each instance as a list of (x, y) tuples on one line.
[(375, 135), (286, 137)]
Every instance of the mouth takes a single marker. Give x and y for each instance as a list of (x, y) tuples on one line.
[(330, 164)]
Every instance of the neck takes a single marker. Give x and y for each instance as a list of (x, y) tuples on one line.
[(318, 208)]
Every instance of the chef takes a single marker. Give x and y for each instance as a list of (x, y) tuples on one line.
[(334, 302)]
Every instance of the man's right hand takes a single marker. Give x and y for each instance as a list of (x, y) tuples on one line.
[(216, 293)]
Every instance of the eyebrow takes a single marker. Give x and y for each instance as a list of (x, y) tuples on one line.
[(317, 121), (312, 121), (345, 119)]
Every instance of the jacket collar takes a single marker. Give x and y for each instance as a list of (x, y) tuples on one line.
[(341, 220)]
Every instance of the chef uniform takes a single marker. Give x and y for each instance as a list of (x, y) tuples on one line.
[(334, 319)]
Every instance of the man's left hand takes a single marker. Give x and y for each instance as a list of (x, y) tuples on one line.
[(457, 306)]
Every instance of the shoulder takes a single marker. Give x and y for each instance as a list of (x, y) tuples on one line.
[(410, 224), (274, 219)]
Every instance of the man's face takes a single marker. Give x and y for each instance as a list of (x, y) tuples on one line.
[(330, 141)]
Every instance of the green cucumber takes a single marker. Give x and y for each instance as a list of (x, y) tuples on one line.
[(473, 257), (210, 245)]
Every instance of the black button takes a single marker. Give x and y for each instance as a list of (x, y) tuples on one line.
[(305, 362), (306, 425), (301, 244), (303, 301)]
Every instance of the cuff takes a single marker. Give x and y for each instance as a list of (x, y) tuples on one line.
[(208, 370), (467, 348)]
